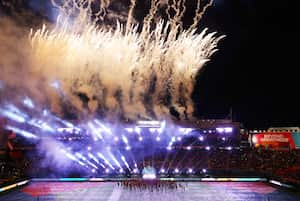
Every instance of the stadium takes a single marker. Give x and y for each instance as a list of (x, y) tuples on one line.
[(209, 159), (99, 101)]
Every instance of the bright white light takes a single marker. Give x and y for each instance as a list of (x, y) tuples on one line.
[(173, 139), (93, 170), (28, 102), (89, 148), (228, 130), (204, 170), (223, 138), (149, 123), (135, 170), (21, 132), (189, 148), (254, 139), (152, 130), (176, 170), (209, 131), (178, 138), (140, 138), (162, 170), (107, 170), (169, 148), (201, 138), (125, 140), (137, 129), (127, 148), (190, 170), (129, 130), (149, 176), (157, 138), (45, 112), (220, 130), (229, 148), (121, 170), (12, 116), (116, 139), (207, 148)]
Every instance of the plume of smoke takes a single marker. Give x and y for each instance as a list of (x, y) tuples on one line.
[(118, 72)]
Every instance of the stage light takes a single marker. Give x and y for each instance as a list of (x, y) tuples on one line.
[(157, 138), (152, 130), (229, 148), (21, 132), (173, 139), (116, 139), (176, 170), (254, 139), (89, 148), (125, 140), (105, 160), (12, 116), (93, 170), (169, 148), (223, 138), (204, 170), (190, 170), (28, 103), (179, 138), (93, 157), (129, 130), (162, 170), (107, 170), (125, 162), (201, 138), (127, 148), (207, 148), (228, 129), (137, 130), (135, 170), (220, 130), (149, 123), (45, 112), (121, 170), (140, 138)]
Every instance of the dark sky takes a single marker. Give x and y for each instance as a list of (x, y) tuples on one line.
[(255, 70)]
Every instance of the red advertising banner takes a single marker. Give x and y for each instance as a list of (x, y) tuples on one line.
[(274, 140)]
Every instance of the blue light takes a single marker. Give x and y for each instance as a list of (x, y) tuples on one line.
[(21, 132), (12, 116), (73, 179)]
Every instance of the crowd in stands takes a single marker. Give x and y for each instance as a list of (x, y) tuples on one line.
[(284, 165)]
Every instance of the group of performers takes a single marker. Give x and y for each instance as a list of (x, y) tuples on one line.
[(151, 185)]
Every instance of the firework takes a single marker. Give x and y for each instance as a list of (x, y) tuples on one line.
[(122, 71)]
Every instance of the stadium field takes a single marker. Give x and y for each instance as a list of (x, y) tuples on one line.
[(110, 191)]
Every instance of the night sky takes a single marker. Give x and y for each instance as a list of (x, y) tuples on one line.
[(255, 71)]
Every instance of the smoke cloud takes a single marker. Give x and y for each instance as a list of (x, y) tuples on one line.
[(85, 67)]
